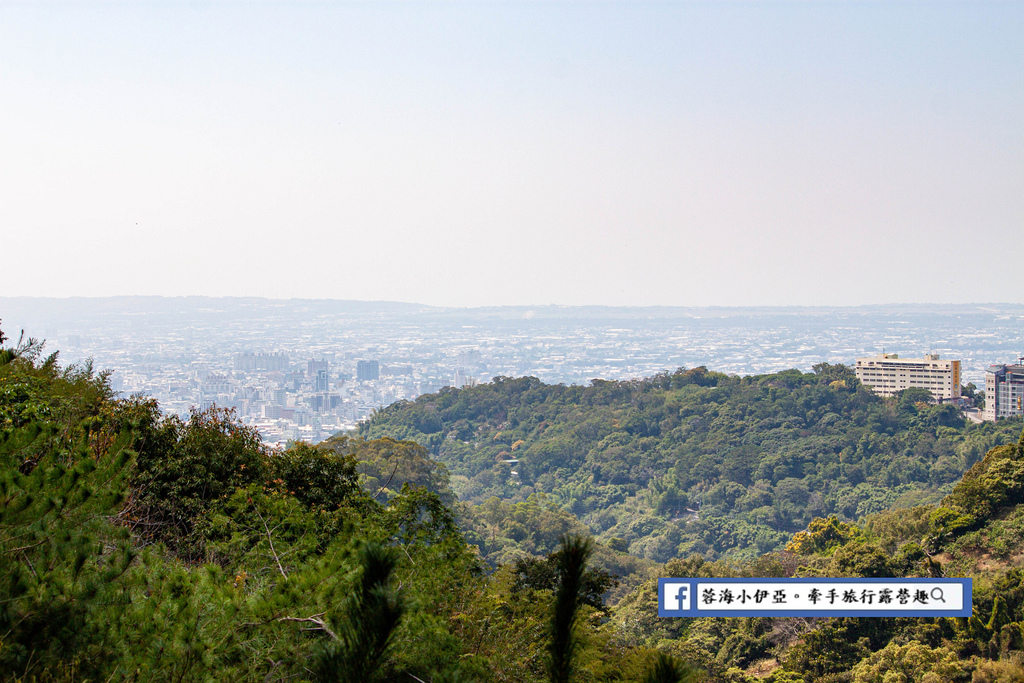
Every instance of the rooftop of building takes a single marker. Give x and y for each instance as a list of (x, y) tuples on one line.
[(928, 358), (1001, 367)]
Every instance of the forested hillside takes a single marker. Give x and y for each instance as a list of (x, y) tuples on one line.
[(975, 531), (695, 462), (140, 547)]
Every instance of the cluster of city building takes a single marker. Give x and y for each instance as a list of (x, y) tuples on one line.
[(292, 401), (887, 374), (312, 399), (306, 369), (288, 399)]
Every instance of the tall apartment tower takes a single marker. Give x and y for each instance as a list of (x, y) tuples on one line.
[(1004, 391), (321, 383), (367, 370), (887, 373)]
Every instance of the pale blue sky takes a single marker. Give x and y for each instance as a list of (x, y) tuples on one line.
[(515, 153)]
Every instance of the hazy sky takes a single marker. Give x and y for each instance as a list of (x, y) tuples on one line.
[(477, 153)]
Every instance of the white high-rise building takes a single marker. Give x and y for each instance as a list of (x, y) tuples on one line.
[(1004, 391), (887, 373)]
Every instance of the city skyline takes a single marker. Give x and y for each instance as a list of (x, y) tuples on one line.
[(307, 369)]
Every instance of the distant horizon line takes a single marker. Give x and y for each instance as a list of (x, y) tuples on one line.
[(548, 306)]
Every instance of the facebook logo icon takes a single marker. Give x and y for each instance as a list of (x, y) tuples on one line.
[(675, 596)]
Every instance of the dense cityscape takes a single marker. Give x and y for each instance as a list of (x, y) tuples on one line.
[(306, 369)]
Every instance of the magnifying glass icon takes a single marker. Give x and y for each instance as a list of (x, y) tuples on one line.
[(937, 594)]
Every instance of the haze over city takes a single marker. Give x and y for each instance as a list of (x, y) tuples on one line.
[(305, 369), (468, 154)]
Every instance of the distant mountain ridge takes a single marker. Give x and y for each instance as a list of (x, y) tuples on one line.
[(34, 307)]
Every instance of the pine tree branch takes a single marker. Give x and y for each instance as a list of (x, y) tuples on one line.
[(315, 619), (28, 547), (271, 539)]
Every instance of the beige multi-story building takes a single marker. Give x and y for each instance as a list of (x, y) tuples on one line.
[(1004, 391), (887, 373)]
